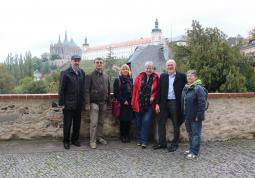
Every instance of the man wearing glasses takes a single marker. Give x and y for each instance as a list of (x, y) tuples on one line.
[(97, 95)]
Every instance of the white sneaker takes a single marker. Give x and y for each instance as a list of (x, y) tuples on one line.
[(191, 156), (93, 145), (186, 152), (102, 141), (144, 146)]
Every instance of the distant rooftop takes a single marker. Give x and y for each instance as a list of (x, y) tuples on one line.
[(120, 44)]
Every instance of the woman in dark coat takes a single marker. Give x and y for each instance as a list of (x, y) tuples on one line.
[(194, 98), (122, 88)]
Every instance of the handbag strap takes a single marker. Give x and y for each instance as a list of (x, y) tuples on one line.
[(119, 82)]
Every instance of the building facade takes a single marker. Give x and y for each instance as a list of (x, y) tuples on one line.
[(124, 49), (249, 49), (65, 49)]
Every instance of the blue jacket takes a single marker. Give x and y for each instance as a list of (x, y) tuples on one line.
[(193, 101)]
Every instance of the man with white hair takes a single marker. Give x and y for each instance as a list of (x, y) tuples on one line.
[(168, 104)]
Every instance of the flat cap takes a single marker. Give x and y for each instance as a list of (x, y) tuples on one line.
[(76, 57)]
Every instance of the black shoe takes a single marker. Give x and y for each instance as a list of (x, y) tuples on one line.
[(172, 148), (127, 139), (123, 140), (76, 143), (158, 146), (67, 146)]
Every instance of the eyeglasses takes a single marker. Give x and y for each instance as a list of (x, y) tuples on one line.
[(99, 62)]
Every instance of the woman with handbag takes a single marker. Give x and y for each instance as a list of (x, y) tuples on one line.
[(122, 89)]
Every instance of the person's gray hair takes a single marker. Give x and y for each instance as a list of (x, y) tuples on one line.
[(193, 72), (148, 63)]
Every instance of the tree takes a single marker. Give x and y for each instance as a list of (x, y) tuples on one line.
[(28, 85), (45, 57), (22, 88), (45, 68), (36, 87), (252, 33), (247, 69), (109, 53), (37, 63), (217, 63), (52, 82), (28, 66), (235, 81), (7, 81), (54, 57)]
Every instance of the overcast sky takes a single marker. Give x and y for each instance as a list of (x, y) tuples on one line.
[(35, 24)]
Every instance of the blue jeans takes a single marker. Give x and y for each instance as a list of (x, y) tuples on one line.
[(143, 123), (194, 132)]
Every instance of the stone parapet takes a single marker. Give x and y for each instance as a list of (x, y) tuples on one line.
[(29, 116)]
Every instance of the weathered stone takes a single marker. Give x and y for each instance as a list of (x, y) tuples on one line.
[(226, 118)]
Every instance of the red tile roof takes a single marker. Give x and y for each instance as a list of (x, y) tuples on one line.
[(121, 44)]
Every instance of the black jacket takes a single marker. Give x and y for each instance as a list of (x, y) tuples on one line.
[(72, 89), (179, 83), (120, 90)]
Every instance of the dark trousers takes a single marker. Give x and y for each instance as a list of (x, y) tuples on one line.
[(124, 128), (168, 110), (71, 116)]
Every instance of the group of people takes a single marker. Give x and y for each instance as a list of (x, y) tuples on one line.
[(173, 94)]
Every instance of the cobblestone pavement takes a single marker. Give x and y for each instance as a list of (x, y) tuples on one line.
[(47, 158)]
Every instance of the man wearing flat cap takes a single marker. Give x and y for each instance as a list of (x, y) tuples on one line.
[(71, 100)]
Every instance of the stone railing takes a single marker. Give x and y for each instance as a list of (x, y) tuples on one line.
[(230, 115)]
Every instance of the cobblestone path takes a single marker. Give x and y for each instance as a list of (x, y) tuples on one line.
[(47, 158)]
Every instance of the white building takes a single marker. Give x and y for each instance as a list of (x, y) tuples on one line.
[(37, 75), (249, 49), (124, 49)]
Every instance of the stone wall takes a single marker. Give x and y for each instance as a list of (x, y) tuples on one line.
[(33, 116)]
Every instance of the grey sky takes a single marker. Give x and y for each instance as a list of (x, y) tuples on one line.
[(35, 24)]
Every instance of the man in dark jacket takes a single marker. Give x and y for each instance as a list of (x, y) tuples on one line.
[(71, 100), (171, 84)]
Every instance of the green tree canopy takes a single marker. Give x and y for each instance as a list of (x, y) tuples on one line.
[(217, 63), (252, 33), (7, 81), (28, 85)]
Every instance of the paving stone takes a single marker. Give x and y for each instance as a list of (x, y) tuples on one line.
[(47, 158)]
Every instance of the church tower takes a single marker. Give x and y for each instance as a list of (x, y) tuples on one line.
[(156, 34), (85, 45)]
